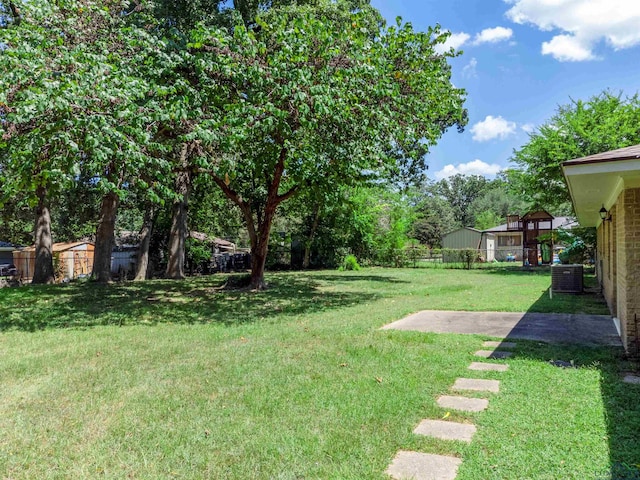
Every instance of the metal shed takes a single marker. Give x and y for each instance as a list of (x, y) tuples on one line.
[(471, 238)]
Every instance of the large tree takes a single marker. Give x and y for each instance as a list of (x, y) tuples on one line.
[(317, 98), (75, 86), (461, 191), (434, 218), (604, 122)]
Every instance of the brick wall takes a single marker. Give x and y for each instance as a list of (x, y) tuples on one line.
[(629, 266), (618, 264)]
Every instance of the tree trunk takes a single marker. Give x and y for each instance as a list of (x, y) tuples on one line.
[(260, 238), (178, 235), (15, 12), (307, 244), (142, 267), (43, 270), (105, 237), (260, 248)]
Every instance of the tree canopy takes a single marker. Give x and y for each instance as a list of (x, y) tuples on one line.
[(604, 122), (317, 97), (133, 100)]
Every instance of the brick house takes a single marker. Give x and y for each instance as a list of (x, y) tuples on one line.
[(605, 190)]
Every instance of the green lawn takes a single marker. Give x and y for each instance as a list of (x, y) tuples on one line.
[(189, 380)]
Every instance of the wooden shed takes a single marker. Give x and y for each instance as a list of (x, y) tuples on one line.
[(70, 260)]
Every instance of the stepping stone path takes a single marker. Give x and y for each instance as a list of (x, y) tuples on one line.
[(493, 354), (477, 385), (446, 430), (463, 403), (484, 367), (425, 466), (499, 344)]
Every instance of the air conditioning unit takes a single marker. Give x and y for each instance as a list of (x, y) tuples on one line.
[(567, 278)]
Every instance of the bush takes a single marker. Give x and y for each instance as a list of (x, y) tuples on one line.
[(414, 251), (575, 253), (350, 262), (197, 253), (464, 256)]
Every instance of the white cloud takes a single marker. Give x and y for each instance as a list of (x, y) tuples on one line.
[(469, 70), (582, 23), (455, 41), (566, 48), (493, 35), (476, 167), (528, 127), (492, 127)]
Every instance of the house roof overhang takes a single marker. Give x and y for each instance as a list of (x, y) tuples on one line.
[(597, 180)]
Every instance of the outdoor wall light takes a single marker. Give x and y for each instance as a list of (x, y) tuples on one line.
[(604, 214)]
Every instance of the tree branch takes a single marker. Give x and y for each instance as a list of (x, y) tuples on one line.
[(245, 207), (15, 12), (289, 194)]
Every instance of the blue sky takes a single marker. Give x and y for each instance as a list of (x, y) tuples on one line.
[(521, 60)]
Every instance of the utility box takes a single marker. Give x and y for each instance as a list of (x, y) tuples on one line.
[(567, 278)]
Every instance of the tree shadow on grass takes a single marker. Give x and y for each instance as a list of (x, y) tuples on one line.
[(357, 278), (620, 399), (194, 301), (518, 270)]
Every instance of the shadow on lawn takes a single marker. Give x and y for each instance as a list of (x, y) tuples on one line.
[(200, 300), (620, 400), (358, 278)]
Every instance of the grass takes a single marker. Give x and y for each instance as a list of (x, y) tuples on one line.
[(188, 380)]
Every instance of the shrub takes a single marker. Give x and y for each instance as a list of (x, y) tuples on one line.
[(414, 251), (350, 262), (574, 253), (463, 256)]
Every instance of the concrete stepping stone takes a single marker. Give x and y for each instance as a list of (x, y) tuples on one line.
[(493, 354), (486, 367), (476, 385), (500, 344), (446, 430), (463, 403), (423, 466), (633, 379)]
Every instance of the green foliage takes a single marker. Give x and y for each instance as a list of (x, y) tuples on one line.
[(314, 98), (415, 251), (580, 244), (197, 252), (604, 122), (97, 99), (466, 257), (488, 219), (370, 222), (434, 218), (461, 191), (350, 263), (59, 124), (574, 253), (498, 200)]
